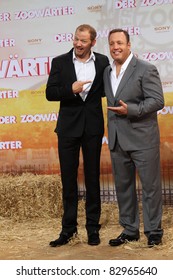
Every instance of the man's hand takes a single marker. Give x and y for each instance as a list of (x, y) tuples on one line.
[(120, 110), (77, 86)]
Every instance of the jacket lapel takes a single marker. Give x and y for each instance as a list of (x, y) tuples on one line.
[(128, 72), (107, 81), (70, 64)]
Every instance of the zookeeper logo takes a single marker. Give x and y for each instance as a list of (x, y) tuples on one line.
[(166, 110), (51, 117), (10, 145), (146, 3), (67, 37), (25, 67), (39, 118), (7, 119), (4, 43), (123, 4), (46, 12), (153, 56), (9, 94)]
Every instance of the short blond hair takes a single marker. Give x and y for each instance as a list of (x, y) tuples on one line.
[(90, 29)]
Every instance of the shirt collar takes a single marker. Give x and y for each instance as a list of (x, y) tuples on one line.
[(92, 57), (125, 64)]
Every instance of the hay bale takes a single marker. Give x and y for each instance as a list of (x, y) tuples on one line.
[(29, 196)]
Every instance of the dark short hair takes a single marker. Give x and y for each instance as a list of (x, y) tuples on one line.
[(88, 27), (115, 30)]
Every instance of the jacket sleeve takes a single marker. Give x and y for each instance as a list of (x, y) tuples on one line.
[(57, 89), (153, 99)]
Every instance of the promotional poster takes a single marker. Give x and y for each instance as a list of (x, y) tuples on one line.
[(32, 33)]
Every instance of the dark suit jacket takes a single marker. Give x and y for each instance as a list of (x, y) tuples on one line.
[(141, 89), (75, 115)]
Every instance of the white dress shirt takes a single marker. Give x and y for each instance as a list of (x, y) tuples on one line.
[(85, 71), (115, 81)]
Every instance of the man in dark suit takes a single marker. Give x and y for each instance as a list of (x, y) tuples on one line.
[(76, 80), (134, 95)]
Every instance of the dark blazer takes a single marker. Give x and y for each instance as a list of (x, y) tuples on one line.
[(141, 89), (76, 115)]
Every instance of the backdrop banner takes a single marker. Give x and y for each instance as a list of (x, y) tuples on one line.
[(32, 33)]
